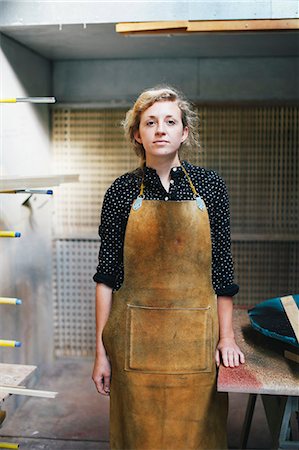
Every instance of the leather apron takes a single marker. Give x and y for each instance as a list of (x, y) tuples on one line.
[(162, 333)]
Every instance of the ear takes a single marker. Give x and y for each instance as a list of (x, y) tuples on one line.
[(185, 134), (137, 137)]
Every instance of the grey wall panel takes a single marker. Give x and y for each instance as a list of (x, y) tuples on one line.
[(249, 79), (70, 12), (207, 79), (122, 80), (284, 9), (225, 10)]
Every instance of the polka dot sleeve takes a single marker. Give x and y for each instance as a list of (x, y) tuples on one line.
[(222, 263), (111, 233)]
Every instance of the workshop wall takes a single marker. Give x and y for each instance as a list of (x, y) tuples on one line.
[(201, 79), (26, 263)]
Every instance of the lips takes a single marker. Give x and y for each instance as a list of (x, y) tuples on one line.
[(161, 141)]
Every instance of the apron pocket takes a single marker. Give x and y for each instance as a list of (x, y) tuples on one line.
[(168, 340)]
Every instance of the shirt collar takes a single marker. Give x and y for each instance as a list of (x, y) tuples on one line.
[(150, 174)]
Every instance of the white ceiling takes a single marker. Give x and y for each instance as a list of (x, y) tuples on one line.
[(98, 41)]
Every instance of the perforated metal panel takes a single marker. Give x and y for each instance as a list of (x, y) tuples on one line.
[(253, 148), (74, 291), (91, 143), (265, 269)]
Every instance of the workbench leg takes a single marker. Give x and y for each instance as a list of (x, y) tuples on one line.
[(274, 406), (286, 439), (2, 416), (248, 420)]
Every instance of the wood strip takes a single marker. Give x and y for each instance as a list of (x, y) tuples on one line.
[(292, 356), (28, 392), (292, 313), (185, 26), (243, 25), (135, 27)]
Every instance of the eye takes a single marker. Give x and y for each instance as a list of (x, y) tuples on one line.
[(171, 122), (150, 123)]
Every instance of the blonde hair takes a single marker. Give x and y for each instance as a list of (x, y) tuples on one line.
[(147, 99)]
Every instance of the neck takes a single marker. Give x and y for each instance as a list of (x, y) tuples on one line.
[(163, 167)]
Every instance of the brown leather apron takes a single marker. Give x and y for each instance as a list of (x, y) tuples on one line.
[(162, 332)]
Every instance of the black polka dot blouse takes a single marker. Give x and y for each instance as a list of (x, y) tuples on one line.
[(116, 208)]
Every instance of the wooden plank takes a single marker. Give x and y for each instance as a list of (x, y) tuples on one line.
[(185, 26), (13, 183), (135, 27), (292, 356), (13, 375), (292, 313), (243, 25), (28, 392)]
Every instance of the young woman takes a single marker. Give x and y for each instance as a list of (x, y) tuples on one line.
[(164, 289)]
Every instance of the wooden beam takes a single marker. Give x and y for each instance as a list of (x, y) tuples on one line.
[(199, 26), (141, 27), (292, 356), (243, 25), (30, 392), (292, 313)]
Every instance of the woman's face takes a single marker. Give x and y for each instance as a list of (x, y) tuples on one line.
[(161, 130)]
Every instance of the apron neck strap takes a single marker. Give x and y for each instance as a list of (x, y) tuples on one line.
[(195, 193), (138, 202)]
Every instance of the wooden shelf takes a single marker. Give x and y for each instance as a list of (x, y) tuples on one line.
[(200, 26)]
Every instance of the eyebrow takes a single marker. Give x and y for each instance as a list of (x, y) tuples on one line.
[(154, 117)]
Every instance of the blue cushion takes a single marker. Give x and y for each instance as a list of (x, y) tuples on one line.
[(270, 319)]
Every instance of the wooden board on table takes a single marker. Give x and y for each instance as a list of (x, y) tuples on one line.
[(14, 375), (292, 313)]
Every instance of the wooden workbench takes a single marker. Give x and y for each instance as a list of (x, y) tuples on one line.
[(268, 373)]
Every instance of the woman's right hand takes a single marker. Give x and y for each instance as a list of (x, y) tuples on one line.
[(102, 374)]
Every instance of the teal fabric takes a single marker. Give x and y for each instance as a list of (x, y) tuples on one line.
[(270, 319)]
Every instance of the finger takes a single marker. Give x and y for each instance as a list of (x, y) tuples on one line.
[(225, 359), (236, 359), (102, 391), (230, 354), (217, 358), (242, 357), (100, 387), (107, 384)]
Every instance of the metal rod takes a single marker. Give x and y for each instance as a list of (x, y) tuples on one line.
[(29, 191), (9, 343), (8, 445), (10, 301), (29, 100), (10, 234)]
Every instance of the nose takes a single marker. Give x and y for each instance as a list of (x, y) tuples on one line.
[(160, 128)]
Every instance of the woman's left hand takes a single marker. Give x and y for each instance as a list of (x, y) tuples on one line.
[(229, 352)]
